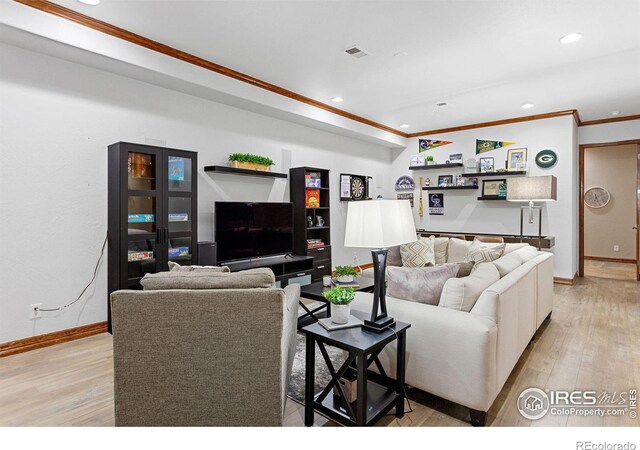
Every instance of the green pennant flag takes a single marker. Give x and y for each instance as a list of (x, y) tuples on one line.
[(485, 146)]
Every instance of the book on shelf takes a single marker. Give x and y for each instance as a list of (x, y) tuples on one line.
[(178, 217), (139, 256), (178, 251), (319, 244), (329, 325), (176, 168), (312, 179), (141, 218), (351, 284), (312, 199)]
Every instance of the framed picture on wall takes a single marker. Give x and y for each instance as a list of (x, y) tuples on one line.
[(516, 157), (445, 180), (486, 164), (491, 188)]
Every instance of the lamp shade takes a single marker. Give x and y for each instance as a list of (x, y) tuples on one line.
[(379, 224), (537, 189)]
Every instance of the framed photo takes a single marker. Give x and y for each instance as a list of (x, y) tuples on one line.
[(455, 158), (491, 188), (516, 156), (445, 180), (486, 164)]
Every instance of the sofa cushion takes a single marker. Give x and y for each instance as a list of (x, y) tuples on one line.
[(465, 268), (197, 279), (457, 250), (511, 247), (462, 293), (419, 253), (507, 263), (419, 284), (527, 253), (175, 267), (479, 252), (440, 249)]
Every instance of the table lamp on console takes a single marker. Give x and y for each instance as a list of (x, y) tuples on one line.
[(379, 224), (532, 189)]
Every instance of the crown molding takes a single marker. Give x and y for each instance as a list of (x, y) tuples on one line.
[(609, 120)]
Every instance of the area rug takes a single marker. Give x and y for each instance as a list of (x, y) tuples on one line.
[(322, 375)]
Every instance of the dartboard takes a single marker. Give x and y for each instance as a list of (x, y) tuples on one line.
[(357, 188)]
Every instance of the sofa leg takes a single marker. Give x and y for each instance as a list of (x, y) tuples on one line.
[(478, 418), (549, 316)]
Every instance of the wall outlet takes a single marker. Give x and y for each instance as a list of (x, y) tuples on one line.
[(34, 312), (616, 248)]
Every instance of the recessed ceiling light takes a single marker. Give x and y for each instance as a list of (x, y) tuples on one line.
[(527, 105), (90, 2), (571, 37), (442, 104), (337, 99), (615, 113), (404, 125)]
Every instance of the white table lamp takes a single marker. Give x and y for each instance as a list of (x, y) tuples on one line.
[(379, 224), (532, 189)]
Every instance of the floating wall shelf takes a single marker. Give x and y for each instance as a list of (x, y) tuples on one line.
[(234, 171), (492, 198), (446, 188), (494, 174), (436, 166)]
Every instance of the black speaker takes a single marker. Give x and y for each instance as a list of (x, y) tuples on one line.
[(207, 253)]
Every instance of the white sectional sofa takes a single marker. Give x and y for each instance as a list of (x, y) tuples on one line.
[(466, 357)]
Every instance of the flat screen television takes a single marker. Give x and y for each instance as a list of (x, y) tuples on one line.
[(250, 230)]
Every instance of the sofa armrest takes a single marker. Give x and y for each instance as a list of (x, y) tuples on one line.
[(449, 353)]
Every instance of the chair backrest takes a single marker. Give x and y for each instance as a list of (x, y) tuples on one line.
[(198, 357), (491, 239)]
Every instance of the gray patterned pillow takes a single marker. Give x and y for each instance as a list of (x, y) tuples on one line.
[(418, 253), (419, 284)]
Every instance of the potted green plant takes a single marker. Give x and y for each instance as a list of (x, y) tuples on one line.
[(430, 160), (249, 161), (340, 299), (345, 274)]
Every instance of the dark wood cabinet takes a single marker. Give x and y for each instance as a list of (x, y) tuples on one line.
[(152, 212), (310, 194)]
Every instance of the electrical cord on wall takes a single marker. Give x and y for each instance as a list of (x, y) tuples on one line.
[(95, 274)]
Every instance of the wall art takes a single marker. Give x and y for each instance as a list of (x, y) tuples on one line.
[(428, 144), (486, 146)]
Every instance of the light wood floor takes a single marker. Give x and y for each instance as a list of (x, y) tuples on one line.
[(611, 270), (591, 342)]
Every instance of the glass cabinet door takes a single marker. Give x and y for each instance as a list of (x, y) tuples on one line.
[(141, 171), (179, 174)]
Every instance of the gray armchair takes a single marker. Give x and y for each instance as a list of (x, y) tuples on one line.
[(203, 357)]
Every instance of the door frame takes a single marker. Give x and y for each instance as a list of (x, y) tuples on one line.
[(581, 149)]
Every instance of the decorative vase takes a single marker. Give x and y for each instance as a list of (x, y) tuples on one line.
[(345, 279), (340, 313), (250, 166), (430, 163)]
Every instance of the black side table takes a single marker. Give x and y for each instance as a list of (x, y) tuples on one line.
[(373, 399)]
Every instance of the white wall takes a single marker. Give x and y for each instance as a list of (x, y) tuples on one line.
[(463, 212), (56, 120), (609, 132)]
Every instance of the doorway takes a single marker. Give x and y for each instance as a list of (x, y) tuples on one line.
[(609, 210)]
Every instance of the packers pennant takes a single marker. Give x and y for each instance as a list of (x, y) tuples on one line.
[(485, 146)]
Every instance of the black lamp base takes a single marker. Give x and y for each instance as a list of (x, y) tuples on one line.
[(379, 325)]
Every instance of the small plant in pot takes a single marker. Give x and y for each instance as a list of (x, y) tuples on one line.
[(345, 274), (249, 161), (430, 161), (340, 299)]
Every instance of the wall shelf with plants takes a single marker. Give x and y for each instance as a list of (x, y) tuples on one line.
[(255, 173), (247, 164), (436, 166)]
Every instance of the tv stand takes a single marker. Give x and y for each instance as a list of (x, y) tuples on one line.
[(288, 269)]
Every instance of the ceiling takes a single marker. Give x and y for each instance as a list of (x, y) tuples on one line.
[(484, 58)]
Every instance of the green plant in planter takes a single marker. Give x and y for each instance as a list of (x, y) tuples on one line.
[(248, 157), (430, 158), (340, 296), (344, 271)]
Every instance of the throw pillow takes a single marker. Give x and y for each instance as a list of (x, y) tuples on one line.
[(175, 267), (462, 293), (441, 249), (394, 258), (244, 279), (418, 253), (457, 250), (511, 247), (465, 268), (481, 253), (507, 263), (419, 284)]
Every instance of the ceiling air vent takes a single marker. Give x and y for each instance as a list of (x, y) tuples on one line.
[(356, 52)]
